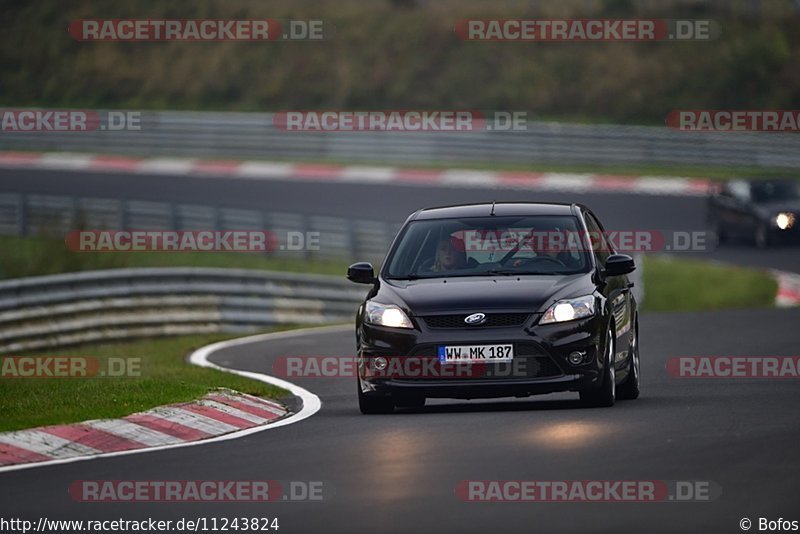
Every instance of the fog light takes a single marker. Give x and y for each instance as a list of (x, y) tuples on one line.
[(576, 358), (379, 363)]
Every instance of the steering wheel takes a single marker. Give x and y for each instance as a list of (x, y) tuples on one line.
[(426, 266)]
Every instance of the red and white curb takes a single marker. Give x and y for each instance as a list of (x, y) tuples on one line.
[(219, 416), (217, 413), (788, 289), (264, 170)]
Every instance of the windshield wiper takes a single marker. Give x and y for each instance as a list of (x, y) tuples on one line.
[(406, 277), (511, 272), (491, 272), (508, 272)]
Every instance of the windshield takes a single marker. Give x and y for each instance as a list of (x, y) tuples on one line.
[(772, 191), (489, 246)]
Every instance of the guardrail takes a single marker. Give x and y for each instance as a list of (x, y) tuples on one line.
[(253, 135), (339, 238), (67, 309)]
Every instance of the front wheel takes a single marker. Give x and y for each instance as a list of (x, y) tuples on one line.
[(630, 389), (606, 394), (717, 235), (372, 404)]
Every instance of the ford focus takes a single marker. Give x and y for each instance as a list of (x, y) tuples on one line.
[(497, 300)]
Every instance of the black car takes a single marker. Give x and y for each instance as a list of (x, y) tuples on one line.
[(497, 300), (766, 212)]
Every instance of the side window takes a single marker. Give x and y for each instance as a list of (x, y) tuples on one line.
[(601, 248)]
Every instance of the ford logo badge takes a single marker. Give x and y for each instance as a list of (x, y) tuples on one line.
[(475, 319)]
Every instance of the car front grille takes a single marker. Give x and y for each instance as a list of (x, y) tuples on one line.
[(493, 320)]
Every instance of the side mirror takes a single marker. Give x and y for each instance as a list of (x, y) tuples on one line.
[(618, 264), (361, 273)]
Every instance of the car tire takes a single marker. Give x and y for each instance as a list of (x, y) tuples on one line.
[(374, 404), (630, 389), (409, 401), (605, 395), (718, 235)]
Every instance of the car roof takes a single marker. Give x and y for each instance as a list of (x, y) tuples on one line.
[(501, 209)]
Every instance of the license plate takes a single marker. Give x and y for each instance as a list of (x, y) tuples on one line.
[(475, 353)]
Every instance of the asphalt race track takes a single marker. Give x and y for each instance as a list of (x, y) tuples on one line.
[(398, 473)]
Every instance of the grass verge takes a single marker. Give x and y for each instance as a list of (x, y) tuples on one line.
[(693, 285), (165, 378), (34, 256)]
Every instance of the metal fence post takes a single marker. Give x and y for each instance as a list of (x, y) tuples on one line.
[(124, 215)]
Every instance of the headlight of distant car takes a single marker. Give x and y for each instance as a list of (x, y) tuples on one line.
[(784, 221), (387, 315), (569, 309)]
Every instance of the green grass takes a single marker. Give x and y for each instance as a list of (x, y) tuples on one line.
[(32, 256), (691, 285), (165, 378)]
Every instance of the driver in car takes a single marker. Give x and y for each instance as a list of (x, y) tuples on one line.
[(450, 255)]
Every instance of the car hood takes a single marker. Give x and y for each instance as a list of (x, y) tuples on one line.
[(482, 294)]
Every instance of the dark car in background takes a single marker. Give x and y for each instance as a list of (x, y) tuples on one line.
[(476, 286), (764, 212)]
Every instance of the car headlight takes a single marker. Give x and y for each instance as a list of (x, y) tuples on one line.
[(784, 221), (387, 315), (569, 309)]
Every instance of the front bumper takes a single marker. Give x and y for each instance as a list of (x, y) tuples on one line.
[(540, 363)]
